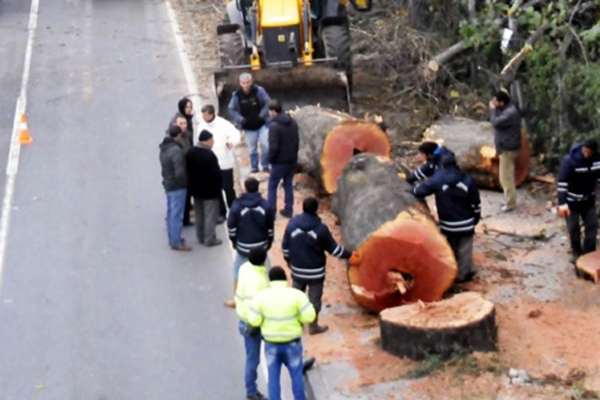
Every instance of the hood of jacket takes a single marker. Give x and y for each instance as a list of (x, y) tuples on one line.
[(181, 107), (306, 222), (452, 175), (250, 200), (168, 142), (576, 156), (283, 119)]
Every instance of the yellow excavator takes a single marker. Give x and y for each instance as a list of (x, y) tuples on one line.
[(298, 50)]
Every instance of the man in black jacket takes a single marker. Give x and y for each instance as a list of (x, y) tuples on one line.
[(459, 210), (305, 242), (577, 182), (250, 225), (506, 120), (283, 155), (432, 154), (205, 186), (175, 181)]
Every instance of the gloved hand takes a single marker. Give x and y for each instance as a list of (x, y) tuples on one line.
[(564, 212), (355, 258)]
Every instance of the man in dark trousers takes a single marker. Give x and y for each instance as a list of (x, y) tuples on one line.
[(250, 226), (459, 210), (577, 182), (283, 155), (249, 106), (431, 153), (506, 120), (205, 185), (305, 242), (175, 180)]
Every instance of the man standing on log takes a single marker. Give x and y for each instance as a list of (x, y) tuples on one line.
[(283, 156), (432, 154), (577, 182), (226, 137), (249, 106), (506, 120), (305, 242), (250, 226), (280, 311), (205, 186), (459, 210)]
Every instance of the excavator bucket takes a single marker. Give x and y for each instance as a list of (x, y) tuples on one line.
[(293, 87)]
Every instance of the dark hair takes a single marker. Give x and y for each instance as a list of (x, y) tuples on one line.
[(257, 256), (251, 185), (502, 96), (181, 106), (277, 274), (275, 105), (428, 148), (310, 205), (174, 131), (448, 160), (204, 136), (208, 109), (591, 144)]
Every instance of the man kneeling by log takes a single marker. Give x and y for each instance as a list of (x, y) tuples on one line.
[(432, 153), (459, 210)]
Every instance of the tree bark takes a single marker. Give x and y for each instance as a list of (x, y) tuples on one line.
[(465, 322), (473, 144), (329, 139), (403, 257)]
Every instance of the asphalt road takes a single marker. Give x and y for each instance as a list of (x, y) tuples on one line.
[(93, 304)]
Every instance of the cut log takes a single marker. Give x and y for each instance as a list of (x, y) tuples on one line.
[(329, 139), (403, 255), (588, 266), (473, 144), (465, 322)]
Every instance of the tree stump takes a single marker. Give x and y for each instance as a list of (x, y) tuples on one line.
[(473, 144), (588, 266), (465, 322), (403, 255), (329, 139)]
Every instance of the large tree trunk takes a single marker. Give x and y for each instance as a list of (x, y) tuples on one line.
[(473, 144), (403, 255), (465, 322), (329, 139)]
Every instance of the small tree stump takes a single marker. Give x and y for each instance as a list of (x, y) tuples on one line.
[(588, 266), (330, 138), (473, 144), (465, 322)]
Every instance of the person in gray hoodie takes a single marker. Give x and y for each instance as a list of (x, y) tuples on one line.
[(506, 120), (175, 179)]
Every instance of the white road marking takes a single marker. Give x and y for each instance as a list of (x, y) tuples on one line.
[(14, 153)]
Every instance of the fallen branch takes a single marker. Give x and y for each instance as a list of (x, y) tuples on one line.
[(540, 237)]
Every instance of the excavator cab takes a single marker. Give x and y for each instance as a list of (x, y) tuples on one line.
[(298, 50)]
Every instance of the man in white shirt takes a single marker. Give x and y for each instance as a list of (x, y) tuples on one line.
[(226, 137)]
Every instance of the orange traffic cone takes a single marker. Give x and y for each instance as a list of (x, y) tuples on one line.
[(24, 137)]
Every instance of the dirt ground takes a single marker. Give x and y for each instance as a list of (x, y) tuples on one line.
[(549, 324)]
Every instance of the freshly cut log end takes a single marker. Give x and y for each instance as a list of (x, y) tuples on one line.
[(402, 254), (344, 142), (588, 266), (473, 144), (410, 246), (329, 139), (465, 322)]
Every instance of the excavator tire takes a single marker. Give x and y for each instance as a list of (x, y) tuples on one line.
[(336, 41), (231, 49)]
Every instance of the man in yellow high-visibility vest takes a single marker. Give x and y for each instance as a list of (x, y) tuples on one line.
[(280, 311)]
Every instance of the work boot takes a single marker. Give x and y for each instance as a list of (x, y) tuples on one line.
[(314, 328), (308, 364), (181, 247), (214, 242), (257, 396)]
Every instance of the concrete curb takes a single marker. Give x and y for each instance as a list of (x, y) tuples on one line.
[(315, 386)]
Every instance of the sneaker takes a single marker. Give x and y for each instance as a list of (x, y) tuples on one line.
[(215, 242), (257, 396), (315, 328), (181, 247), (286, 213), (506, 209)]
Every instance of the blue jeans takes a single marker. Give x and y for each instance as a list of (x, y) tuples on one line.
[(175, 207), (254, 137), (252, 345), (281, 172), (290, 355)]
